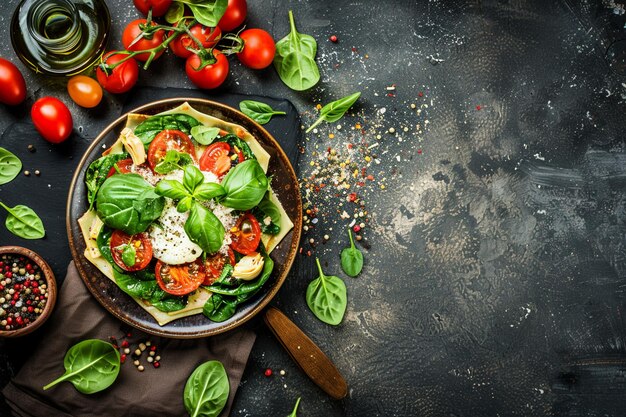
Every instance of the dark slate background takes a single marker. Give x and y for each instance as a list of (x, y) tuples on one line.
[(495, 254)]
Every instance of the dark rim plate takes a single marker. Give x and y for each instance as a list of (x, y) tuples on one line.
[(122, 306)]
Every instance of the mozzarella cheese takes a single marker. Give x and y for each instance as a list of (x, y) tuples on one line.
[(170, 243)]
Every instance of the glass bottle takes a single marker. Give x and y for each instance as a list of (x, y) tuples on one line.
[(60, 37)]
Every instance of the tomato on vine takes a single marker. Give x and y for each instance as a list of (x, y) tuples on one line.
[(159, 7), (207, 76), (135, 38), (122, 77), (258, 49), (207, 36)]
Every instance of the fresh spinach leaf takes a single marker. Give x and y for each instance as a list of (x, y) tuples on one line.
[(173, 160), (245, 287), (258, 111), (128, 202), (219, 308), (10, 166), (207, 12), (295, 59), (351, 259), (129, 255), (22, 221), (327, 298), (204, 228), (235, 141), (266, 208), (204, 135), (170, 304), (91, 366), (97, 172), (245, 185), (295, 409), (175, 13), (335, 110), (149, 128), (206, 390)]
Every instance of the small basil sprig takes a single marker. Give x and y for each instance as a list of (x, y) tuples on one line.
[(22, 221), (295, 409), (295, 59), (204, 135), (335, 110), (327, 297), (206, 390), (173, 160), (257, 111), (351, 258), (10, 166), (91, 366)]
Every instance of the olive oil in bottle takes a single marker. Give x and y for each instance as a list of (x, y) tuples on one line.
[(60, 37)]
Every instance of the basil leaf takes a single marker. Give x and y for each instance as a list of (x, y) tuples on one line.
[(206, 390), (171, 189), (22, 221), (351, 259), (175, 13), (10, 166), (184, 204), (246, 287), (258, 111), (219, 308), (193, 177), (245, 185), (129, 255), (207, 191), (327, 298), (204, 135), (295, 409), (206, 12), (204, 229), (129, 203), (148, 129), (335, 110), (91, 366), (295, 59), (97, 173)]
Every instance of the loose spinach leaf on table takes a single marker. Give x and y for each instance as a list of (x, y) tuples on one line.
[(206, 390), (10, 166), (295, 59), (258, 111), (335, 110), (91, 366), (327, 298), (22, 221), (245, 185), (149, 128), (128, 203), (295, 409), (207, 12), (97, 172), (351, 259)]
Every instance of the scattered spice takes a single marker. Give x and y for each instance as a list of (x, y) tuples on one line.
[(27, 173), (478, 107), (268, 372), (31, 148), (37, 172), (333, 38)]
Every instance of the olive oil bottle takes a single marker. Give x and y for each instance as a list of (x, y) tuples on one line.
[(60, 37)]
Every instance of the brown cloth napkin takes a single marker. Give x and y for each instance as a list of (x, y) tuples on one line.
[(153, 392)]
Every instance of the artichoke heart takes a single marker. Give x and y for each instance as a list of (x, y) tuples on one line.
[(249, 267), (134, 146)]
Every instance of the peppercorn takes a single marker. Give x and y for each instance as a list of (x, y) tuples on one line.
[(333, 38), (268, 372)]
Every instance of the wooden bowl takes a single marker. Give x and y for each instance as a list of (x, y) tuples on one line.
[(51, 289)]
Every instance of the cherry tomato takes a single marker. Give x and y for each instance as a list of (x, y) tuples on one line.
[(211, 76), (214, 264), (159, 7), (140, 243), (123, 167), (216, 158), (52, 119), (258, 49), (246, 235), (85, 91), (133, 30), (168, 140), (122, 78), (179, 279), (208, 36), (12, 84), (234, 15)]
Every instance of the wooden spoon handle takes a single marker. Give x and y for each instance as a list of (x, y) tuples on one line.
[(306, 354)]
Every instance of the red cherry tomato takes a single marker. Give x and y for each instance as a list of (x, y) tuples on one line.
[(133, 31), (216, 158), (246, 235), (258, 49), (214, 264), (52, 119), (179, 279), (208, 36), (159, 7), (139, 242), (168, 140), (234, 15), (12, 84), (212, 75), (121, 167), (122, 78), (85, 91)]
